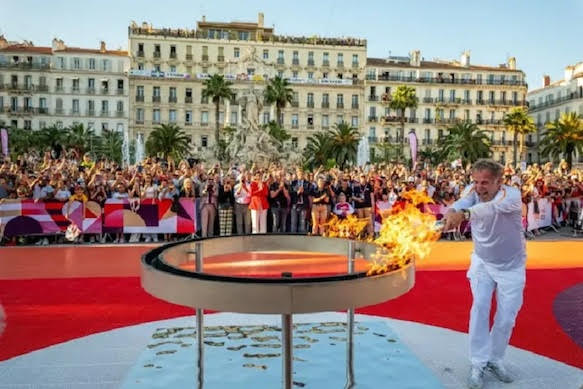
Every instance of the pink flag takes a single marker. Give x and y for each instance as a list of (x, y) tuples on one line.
[(413, 145), (4, 138)]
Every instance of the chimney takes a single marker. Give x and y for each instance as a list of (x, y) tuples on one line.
[(546, 80), (58, 44), (569, 70), (3, 42), (465, 59), (102, 46), (260, 20), (415, 58), (204, 18), (512, 63)]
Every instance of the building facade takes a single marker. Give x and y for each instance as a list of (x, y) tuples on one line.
[(448, 92), (168, 68), (60, 85), (547, 103)]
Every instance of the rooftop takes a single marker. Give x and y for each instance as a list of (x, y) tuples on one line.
[(57, 47), (438, 64)]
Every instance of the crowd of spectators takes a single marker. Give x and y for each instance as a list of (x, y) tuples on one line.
[(239, 199)]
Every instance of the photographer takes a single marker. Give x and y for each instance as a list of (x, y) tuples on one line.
[(208, 205), (279, 200), (226, 201), (300, 201)]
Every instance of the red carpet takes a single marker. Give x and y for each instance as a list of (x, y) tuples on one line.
[(43, 312)]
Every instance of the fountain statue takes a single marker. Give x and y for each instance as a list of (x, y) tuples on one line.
[(140, 148), (125, 148), (363, 154)]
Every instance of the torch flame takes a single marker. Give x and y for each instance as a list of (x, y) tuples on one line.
[(406, 235), (350, 227)]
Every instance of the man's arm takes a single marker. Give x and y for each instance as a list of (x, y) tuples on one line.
[(467, 199), (507, 200)]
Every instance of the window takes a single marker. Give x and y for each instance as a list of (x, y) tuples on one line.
[(204, 141), (59, 85), (140, 115), (76, 84), (233, 117), (294, 120), (188, 117), (75, 106), (244, 35), (61, 62), (340, 59), (204, 118), (172, 51), (280, 73), (310, 120), (104, 106), (156, 91), (76, 63), (172, 116), (325, 59), (119, 106), (325, 121), (236, 52), (310, 75), (156, 116), (354, 101), (340, 100), (325, 75), (91, 63), (354, 121), (265, 117), (294, 74), (105, 65), (452, 95), (265, 54), (467, 95), (355, 59), (294, 142), (440, 95), (339, 119)]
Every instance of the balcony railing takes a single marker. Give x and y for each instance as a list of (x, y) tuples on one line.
[(43, 111), (140, 53), (372, 118), (467, 101), (204, 124), (294, 125), (295, 104), (104, 91), (311, 62), (42, 88), (295, 61), (428, 99), (280, 61), (172, 99), (427, 141), (427, 120), (355, 65), (221, 58), (75, 112), (188, 99), (325, 104), (139, 121), (156, 99), (373, 98), (75, 89), (188, 123), (59, 111), (449, 80), (157, 54), (59, 88), (373, 139), (91, 91), (188, 57), (340, 65), (173, 55), (119, 91), (325, 63), (119, 114), (310, 104), (90, 112), (310, 126), (140, 98), (24, 66), (550, 103), (412, 120), (205, 58), (340, 105), (104, 113)]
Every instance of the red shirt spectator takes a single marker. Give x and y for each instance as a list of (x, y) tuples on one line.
[(258, 196)]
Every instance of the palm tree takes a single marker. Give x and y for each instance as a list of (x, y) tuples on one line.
[(217, 88), (386, 152), (430, 154), (344, 146), (277, 132), (318, 149), (518, 121), (52, 138), (466, 141), (404, 97), (168, 139), (279, 93), (563, 137), (79, 138), (20, 141), (110, 145)]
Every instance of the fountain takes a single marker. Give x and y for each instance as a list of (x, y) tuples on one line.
[(363, 154), (125, 148), (140, 148), (207, 273)]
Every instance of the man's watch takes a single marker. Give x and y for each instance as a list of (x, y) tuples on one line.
[(466, 213)]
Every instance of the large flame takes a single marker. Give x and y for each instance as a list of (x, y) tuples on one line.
[(350, 227), (406, 234)]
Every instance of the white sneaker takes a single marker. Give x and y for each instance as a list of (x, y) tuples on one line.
[(476, 380), (499, 371), (147, 239), (155, 238), (45, 242)]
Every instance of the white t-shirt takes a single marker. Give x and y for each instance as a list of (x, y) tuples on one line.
[(63, 194), (242, 197)]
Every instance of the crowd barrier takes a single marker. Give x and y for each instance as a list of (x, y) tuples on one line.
[(29, 217)]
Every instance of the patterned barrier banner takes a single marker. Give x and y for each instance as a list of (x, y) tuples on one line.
[(149, 216), (29, 217), (542, 218)]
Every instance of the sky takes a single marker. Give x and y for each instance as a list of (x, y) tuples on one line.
[(543, 35)]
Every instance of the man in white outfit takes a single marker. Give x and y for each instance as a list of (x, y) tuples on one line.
[(497, 264)]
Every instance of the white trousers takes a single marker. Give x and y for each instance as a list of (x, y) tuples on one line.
[(490, 344), (259, 221)]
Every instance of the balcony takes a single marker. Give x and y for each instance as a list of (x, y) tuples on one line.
[(326, 63), (295, 104), (140, 98), (205, 58), (412, 120), (42, 88), (204, 124), (373, 98), (188, 99), (428, 99), (173, 55), (354, 105), (340, 65), (372, 118), (91, 91), (75, 112), (449, 80), (294, 125), (20, 87), (90, 112), (156, 121), (325, 104), (139, 121), (221, 58), (355, 65), (59, 111), (310, 126), (156, 99), (392, 119), (280, 61), (172, 99), (43, 111), (427, 120), (373, 139), (311, 62), (25, 65), (104, 113), (119, 91), (104, 91), (188, 57), (59, 88), (188, 123), (493, 122), (467, 101), (310, 104), (427, 141), (157, 54), (481, 102), (140, 53), (119, 114), (339, 105), (325, 126), (296, 61)]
